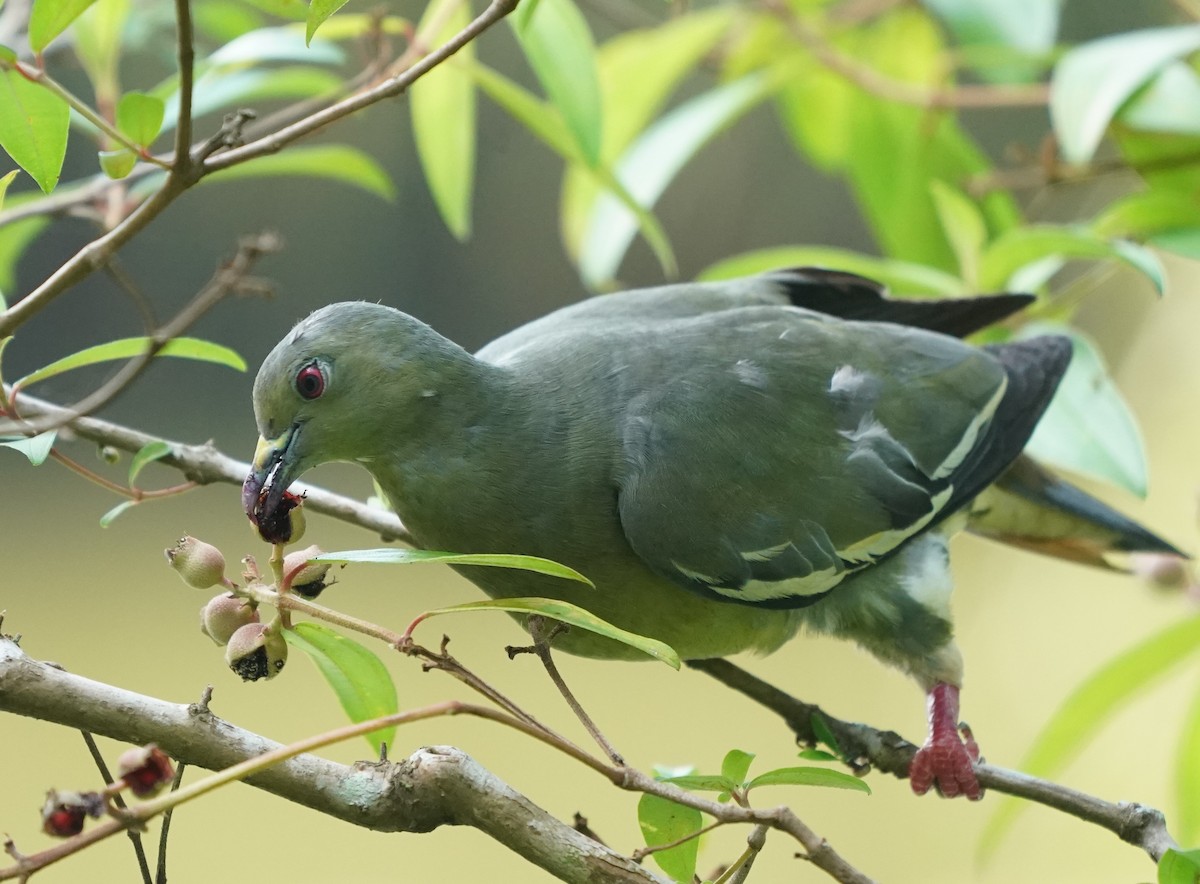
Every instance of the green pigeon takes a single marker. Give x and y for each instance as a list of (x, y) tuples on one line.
[(729, 462)]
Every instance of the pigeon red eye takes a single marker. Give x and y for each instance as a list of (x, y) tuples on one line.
[(310, 382)]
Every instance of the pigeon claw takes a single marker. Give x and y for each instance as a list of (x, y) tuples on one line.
[(947, 762)]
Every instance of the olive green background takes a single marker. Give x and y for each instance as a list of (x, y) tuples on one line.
[(102, 602)]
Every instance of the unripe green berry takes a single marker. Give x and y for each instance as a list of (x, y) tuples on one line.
[(200, 564), (224, 615), (256, 651), (310, 580)]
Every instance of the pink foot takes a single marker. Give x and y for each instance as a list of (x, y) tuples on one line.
[(947, 760)]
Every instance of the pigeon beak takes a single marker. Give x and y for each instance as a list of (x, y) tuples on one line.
[(269, 477)]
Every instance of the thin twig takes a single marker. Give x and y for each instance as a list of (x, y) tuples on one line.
[(1142, 826), (871, 80), (135, 837), (225, 281), (160, 876), (755, 842), (205, 465), (186, 60), (643, 852), (542, 638)]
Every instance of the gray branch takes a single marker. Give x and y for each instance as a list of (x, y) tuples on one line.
[(435, 786)]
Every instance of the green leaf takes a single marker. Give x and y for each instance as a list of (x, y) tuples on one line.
[(1088, 427), (97, 35), (736, 765), (230, 87), (817, 755), (821, 728), (546, 124), (336, 162), (127, 348), (662, 821), (1181, 242), (111, 516), (566, 613), (558, 45), (809, 776), (1092, 81), (963, 225), (148, 453), (1171, 103), (50, 18), (1179, 867), (116, 164), (352, 26), (14, 238), (318, 11), (361, 682), (1139, 215), (704, 782), (442, 104), (652, 162), (1023, 246), (386, 556), (1090, 706), (140, 117), (1028, 26), (280, 44), (6, 180), (638, 70), (1187, 774), (902, 277), (33, 128), (36, 448)]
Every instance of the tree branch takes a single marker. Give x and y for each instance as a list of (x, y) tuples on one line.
[(1142, 826), (205, 465), (435, 786)]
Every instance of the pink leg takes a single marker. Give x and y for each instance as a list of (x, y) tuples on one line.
[(947, 760)]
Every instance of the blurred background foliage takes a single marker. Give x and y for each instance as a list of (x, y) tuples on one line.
[(943, 146)]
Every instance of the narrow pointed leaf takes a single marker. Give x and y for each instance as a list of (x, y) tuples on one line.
[(1020, 247), (558, 44), (703, 782), (335, 162), (361, 682), (277, 44), (821, 728), (662, 821), (570, 614), (638, 71), (809, 776), (1187, 775), (1088, 427), (140, 117), (111, 516), (1179, 867), (386, 556), (736, 765), (36, 448), (33, 128), (963, 225), (652, 162), (1090, 706), (546, 124), (97, 42), (318, 11), (50, 18), (1092, 81), (116, 164), (127, 348), (902, 277), (148, 453), (442, 104), (6, 180)]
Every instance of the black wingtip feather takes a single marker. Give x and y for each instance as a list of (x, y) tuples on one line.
[(1034, 368), (849, 296)]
